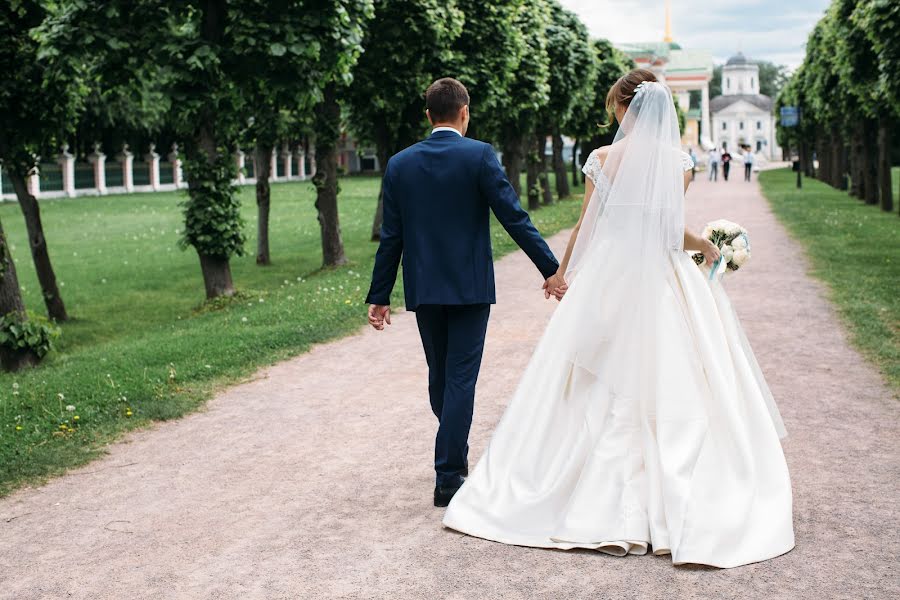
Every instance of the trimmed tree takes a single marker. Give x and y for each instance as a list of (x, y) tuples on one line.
[(880, 20), (405, 45), (572, 60), (487, 69), (37, 107), (525, 99), (341, 39)]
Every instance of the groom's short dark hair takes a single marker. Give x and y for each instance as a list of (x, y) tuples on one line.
[(445, 98)]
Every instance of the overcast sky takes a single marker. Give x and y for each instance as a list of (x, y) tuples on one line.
[(774, 30)]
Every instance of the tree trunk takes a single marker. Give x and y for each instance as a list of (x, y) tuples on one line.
[(262, 171), (11, 302), (575, 169), (870, 163), (855, 172), (328, 122), (838, 172), (559, 165), (884, 165), (381, 149), (512, 162), (216, 276), (56, 309), (541, 156), (532, 183)]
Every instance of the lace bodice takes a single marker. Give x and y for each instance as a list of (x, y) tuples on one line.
[(593, 169)]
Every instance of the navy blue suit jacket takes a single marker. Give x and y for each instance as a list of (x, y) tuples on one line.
[(438, 195)]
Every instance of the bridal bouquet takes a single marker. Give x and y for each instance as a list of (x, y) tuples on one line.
[(733, 242)]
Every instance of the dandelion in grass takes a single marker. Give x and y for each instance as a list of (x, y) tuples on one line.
[(70, 408)]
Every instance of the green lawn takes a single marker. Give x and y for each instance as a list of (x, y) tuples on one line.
[(855, 249), (142, 347)]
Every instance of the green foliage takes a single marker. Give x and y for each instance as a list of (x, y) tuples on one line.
[(212, 220), (487, 69), (572, 63), (528, 93), (37, 104), (880, 21), (589, 118), (849, 248), (23, 334), (405, 47)]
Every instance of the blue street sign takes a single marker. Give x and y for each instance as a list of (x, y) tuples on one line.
[(790, 116)]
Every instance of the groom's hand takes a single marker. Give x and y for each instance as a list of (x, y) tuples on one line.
[(555, 286), (379, 315)]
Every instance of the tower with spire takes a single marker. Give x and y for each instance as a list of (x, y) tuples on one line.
[(684, 71)]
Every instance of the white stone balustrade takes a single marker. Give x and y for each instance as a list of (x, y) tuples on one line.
[(292, 161)]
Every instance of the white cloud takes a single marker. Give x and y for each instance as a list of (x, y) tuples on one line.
[(763, 29)]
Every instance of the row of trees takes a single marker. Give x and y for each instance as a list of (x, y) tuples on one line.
[(848, 94), (215, 74)]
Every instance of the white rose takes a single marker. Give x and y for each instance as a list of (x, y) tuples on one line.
[(740, 257), (739, 243), (727, 253)]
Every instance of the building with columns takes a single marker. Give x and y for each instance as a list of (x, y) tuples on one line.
[(687, 73), (742, 116)]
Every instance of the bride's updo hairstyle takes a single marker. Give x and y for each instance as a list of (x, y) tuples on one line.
[(622, 91)]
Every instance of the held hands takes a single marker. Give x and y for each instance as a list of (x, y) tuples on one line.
[(379, 315), (555, 286), (710, 252)]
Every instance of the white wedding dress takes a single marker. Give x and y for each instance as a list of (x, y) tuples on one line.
[(642, 421)]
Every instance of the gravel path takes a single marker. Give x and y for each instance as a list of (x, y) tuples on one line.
[(314, 480)]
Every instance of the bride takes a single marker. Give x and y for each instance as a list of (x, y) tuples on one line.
[(642, 422)]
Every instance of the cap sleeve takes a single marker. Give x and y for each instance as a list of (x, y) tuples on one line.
[(592, 167), (687, 162)]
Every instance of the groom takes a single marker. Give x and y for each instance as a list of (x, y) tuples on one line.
[(438, 195)]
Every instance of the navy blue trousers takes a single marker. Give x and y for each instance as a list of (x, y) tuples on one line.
[(453, 340)]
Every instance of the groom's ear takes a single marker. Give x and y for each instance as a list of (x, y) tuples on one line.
[(428, 114)]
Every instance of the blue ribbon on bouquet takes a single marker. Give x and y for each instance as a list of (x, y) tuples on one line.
[(718, 263)]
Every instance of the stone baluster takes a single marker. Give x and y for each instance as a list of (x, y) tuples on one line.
[(287, 161), (152, 159), (34, 179), (67, 167), (273, 165), (176, 166), (241, 161), (98, 160), (126, 158), (301, 163)]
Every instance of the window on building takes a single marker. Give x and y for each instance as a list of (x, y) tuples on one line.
[(758, 145), (751, 82), (728, 83), (741, 125), (724, 125), (759, 125)]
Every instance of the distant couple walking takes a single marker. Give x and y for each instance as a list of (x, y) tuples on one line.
[(642, 420)]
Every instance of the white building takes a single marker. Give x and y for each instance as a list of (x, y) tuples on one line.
[(742, 116)]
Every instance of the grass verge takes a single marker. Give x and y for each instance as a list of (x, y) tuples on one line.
[(853, 248)]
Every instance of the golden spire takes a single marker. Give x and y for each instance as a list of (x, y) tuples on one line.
[(668, 38)]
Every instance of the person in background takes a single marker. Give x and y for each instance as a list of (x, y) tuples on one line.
[(693, 156), (726, 161), (713, 160), (749, 159)]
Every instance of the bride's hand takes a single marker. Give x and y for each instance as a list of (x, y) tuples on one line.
[(711, 252), (555, 286)]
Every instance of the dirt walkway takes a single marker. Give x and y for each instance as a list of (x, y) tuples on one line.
[(314, 480)]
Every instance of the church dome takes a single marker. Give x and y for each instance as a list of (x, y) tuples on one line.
[(737, 59)]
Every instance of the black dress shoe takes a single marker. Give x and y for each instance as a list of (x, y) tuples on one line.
[(443, 495)]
